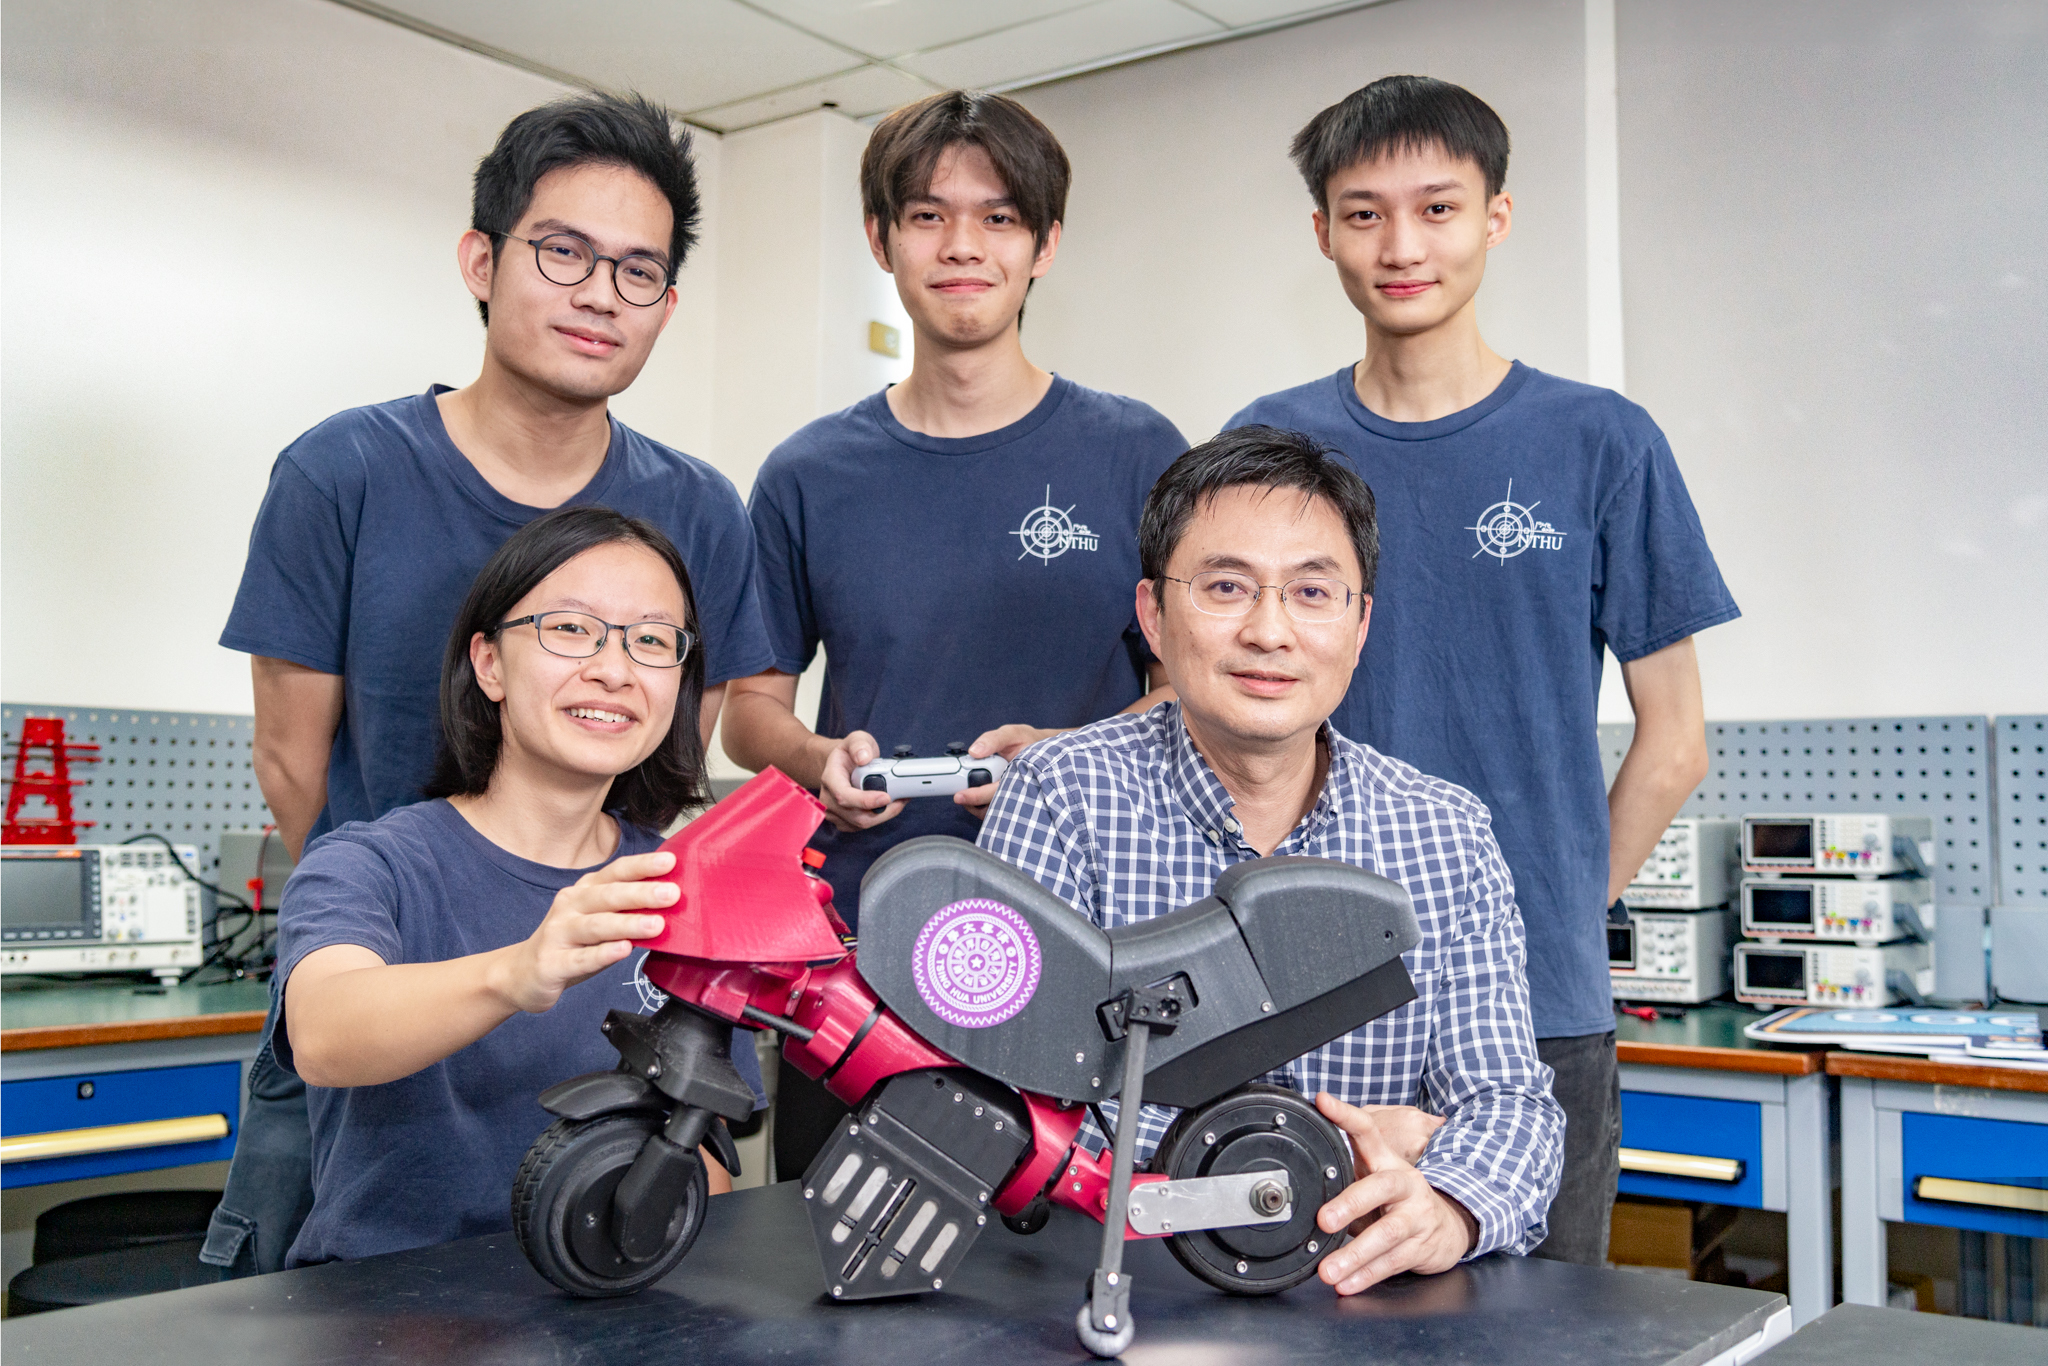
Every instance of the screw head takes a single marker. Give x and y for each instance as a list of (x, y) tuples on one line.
[(1208, 1140), (1243, 1267), (1265, 1007), (938, 1285), (1078, 1057), (808, 1192), (590, 1221), (1329, 1173), (837, 1291), (1109, 1321), (654, 1069), (877, 1119), (1280, 1119), (999, 1126), (1095, 1082), (980, 1219), (1312, 1245), (853, 1128)]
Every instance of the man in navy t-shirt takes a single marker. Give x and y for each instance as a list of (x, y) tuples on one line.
[(964, 544), (377, 520), (1528, 525)]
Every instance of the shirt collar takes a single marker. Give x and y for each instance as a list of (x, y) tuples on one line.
[(1202, 796)]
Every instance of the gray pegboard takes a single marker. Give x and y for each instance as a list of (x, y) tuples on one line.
[(184, 775), (1935, 766), (2022, 743)]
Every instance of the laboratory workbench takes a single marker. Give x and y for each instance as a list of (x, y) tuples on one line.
[(105, 1077), (751, 1290)]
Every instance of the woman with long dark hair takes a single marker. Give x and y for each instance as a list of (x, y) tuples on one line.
[(443, 965)]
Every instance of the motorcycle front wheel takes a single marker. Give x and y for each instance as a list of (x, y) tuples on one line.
[(562, 1206)]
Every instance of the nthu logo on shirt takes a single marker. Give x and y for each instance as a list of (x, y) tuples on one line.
[(1049, 532), (1508, 528)]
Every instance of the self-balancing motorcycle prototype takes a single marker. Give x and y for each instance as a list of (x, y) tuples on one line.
[(979, 1018)]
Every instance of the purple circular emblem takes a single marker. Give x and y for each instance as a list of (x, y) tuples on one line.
[(976, 963)]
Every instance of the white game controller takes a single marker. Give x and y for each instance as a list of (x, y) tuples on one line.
[(901, 775)]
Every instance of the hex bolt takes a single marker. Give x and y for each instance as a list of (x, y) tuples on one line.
[(1268, 1198)]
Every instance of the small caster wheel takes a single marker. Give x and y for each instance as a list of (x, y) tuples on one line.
[(1031, 1218), (1104, 1345), (562, 1206)]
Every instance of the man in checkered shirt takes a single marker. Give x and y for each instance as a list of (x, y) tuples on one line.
[(1259, 552)]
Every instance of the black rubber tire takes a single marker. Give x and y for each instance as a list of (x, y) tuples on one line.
[(1182, 1154), (570, 1172)]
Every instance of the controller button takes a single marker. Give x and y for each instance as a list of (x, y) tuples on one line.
[(979, 777), (874, 782)]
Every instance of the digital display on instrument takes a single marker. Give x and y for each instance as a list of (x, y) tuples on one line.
[(1774, 971), (1621, 946), (1781, 839), (42, 892), (1781, 906)]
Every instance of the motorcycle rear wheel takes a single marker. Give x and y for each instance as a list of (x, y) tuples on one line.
[(1258, 1127), (562, 1206)]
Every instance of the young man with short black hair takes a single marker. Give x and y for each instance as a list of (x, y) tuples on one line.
[(377, 520), (1259, 551), (1530, 524), (961, 545)]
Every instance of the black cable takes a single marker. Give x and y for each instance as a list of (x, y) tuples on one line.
[(241, 903)]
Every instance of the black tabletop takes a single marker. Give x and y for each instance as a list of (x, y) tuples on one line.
[(1858, 1335), (750, 1291)]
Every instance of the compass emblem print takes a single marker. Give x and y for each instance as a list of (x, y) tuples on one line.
[(1508, 528), (1050, 532)]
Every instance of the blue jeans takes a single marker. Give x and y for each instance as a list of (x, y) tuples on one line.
[(270, 1182)]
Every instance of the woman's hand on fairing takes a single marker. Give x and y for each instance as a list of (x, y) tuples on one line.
[(590, 926)]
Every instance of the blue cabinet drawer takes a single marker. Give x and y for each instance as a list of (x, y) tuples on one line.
[(205, 1097), (1663, 1130), (1985, 1174)]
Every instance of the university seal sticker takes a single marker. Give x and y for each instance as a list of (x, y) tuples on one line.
[(976, 963)]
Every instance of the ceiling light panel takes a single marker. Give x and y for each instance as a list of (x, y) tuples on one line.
[(890, 28), (1106, 29), (686, 53), (868, 90), (1240, 12)]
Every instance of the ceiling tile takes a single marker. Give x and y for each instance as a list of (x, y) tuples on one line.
[(686, 53), (889, 28), (1105, 29), (858, 93), (1236, 12)]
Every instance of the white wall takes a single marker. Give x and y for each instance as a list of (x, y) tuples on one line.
[(225, 220), (1836, 306)]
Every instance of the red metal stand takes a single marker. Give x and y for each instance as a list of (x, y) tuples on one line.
[(43, 737)]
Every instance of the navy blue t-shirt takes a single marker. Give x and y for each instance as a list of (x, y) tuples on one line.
[(373, 529), (430, 1157), (957, 584), (1517, 539)]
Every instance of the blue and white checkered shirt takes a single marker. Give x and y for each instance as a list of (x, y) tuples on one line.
[(1125, 821)]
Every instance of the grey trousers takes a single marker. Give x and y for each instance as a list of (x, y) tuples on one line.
[(1588, 1086)]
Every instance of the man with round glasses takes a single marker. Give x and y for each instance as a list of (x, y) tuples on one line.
[(1259, 549), (377, 521)]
